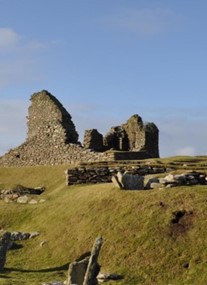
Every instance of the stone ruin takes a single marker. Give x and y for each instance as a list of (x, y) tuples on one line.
[(134, 135), (52, 138)]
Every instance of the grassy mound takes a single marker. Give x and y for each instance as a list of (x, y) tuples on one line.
[(151, 237)]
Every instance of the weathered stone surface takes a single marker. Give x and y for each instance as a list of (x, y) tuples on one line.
[(23, 235), (93, 266), (23, 199), (116, 182), (20, 190), (34, 234), (4, 245), (184, 179), (104, 277), (85, 270), (49, 120), (151, 183), (77, 271), (93, 140), (133, 182), (120, 178), (33, 202)]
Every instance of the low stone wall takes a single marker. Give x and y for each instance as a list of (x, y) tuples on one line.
[(130, 155), (83, 175)]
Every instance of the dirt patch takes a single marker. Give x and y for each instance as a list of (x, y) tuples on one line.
[(180, 223), (163, 205)]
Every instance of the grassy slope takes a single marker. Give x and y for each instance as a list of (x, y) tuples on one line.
[(139, 240)]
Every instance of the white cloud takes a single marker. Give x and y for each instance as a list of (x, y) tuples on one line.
[(144, 22), (9, 39), (19, 58), (182, 136), (188, 150), (13, 129)]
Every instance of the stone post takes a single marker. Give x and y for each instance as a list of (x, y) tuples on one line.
[(91, 272), (4, 245)]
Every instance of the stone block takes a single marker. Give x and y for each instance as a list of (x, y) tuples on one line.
[(116, 182), (133, 182)]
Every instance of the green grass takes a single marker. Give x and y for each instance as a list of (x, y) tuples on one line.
[(139, 240)]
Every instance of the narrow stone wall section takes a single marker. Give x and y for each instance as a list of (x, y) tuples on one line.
[(135, 132), (93, 140), (151, 140)]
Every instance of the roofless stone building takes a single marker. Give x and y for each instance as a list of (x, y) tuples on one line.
[(52, 138)]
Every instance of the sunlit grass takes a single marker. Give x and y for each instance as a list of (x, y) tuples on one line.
[(135, 225)]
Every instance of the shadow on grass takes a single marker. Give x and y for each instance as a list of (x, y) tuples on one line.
[(53, 269), (16, 246), (4, 276)]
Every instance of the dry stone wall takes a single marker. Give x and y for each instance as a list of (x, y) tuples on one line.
[(92, 175)]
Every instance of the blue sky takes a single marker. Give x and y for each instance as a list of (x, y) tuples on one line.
[(106, 60)]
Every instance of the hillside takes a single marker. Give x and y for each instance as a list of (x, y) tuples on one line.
[(140, 239)]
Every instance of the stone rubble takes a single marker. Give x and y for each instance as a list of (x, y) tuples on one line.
[(20, 194), (104, 277), (23, 235), (173, 180)]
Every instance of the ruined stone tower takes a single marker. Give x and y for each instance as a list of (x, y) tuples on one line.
[(49, 121)]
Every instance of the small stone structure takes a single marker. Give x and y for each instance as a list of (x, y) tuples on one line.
[(53, 139)]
